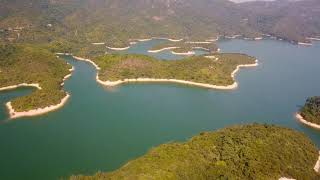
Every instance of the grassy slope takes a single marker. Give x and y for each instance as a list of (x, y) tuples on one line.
[(196, 68), (311, 110), (31, 64), (240, 152)]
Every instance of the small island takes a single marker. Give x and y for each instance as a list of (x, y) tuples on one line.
[(310, 112), (34, 66), (115, 69), (239, 152)]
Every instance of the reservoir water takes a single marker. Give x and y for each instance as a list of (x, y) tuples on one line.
[(102, 129)]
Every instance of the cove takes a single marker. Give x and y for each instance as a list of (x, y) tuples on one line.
[(102, 129)]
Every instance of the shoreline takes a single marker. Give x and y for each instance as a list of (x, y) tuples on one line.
[(67, 76), (313, 38), (303, 121), (198, 42), (36, 85), (204, 85), (87, 60), (143, 40), (317, 166), (118, 49), (163, 49), (189, 53), (304, 44), (101, 43), (35, 112), (169, 39), (201, 48), (39, 111)]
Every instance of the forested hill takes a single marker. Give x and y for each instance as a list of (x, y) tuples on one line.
[(239, 152), (117, 21), (288, 19)]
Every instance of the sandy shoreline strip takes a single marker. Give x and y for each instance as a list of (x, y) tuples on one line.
[(233, 36), (35, 112), (189, 53), (143, 40), (213, 40), (314, 39), (300, 118), (67, 76), (201, 48), (198, 42), (169, 39), (87, 60), (304, 44), (118, 49), (101, 43), (21, 85), (317, 166), (163, 49), (284, 178)]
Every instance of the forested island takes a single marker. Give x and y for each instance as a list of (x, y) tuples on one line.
[(310, 113), (219, 72), (238, 152), (31, 65)]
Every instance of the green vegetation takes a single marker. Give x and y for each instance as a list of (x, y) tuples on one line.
[(32, 64), (311, 110), (239, 152), (185, 47), (81, 23), (196, 68)]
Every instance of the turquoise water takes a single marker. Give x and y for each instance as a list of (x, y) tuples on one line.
[(102, 129)]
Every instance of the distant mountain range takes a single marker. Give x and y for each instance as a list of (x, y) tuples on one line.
[(118, 21)]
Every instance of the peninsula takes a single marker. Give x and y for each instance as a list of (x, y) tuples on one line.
[(310, 112), (30, 65), (115, 69), (239, 152)]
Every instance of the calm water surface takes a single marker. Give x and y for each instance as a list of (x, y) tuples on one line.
[(102, 129)]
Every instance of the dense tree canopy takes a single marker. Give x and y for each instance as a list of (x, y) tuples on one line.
[(32, 64), (239, 152), (311, 110), (198, 69)]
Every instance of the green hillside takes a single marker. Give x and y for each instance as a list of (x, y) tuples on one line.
[(239, 152), (116, 22), (33, 64)]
